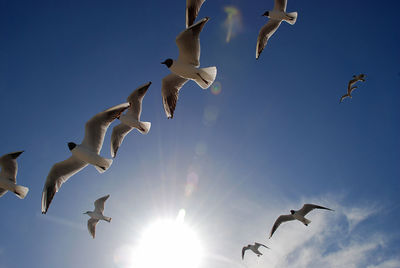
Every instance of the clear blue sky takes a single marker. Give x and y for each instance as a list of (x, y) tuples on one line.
[(274, 137)]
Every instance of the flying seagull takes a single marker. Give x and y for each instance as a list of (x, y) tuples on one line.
[(351, 87), (97, 215), (8, 175), (186, 67), (82, 155), (131, 119), (192, 10), (296, 215), (253, 248), (276, 16)]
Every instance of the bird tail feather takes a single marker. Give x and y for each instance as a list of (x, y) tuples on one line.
[(144, 127), (293, 18), (21, 191), (206, 77), (107, 219), (106, 164)]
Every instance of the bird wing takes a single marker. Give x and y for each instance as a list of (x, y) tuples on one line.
[(9, 166), (308, 207), (244, 250), (265, 33), (171, 84), (279, 220), (280, 5), (192, 10), (99, 204), (352, 89), (135, 100), (96, 127), (91, 225), (343, 97), (118, 134), (188, 43), (59, 173), (260, 245)]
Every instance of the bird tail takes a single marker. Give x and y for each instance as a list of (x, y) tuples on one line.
[(292, 17), (206, 76), (21, 191), (144, 127), (105, 164), (107, 219)]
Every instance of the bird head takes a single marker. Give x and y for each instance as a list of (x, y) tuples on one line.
[(168, 62), (71, 145), (266, 14), (87, 212), (292, 212)]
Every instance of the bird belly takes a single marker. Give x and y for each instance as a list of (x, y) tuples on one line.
[(129, 121), (88, 156), (95, 215), (184, 70), (6, 184), (277, 15), (301, 218)]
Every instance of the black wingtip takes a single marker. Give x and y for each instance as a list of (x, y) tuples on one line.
[(16, 154)]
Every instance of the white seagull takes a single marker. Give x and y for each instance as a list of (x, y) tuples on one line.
[(8, 175), (351, 87), (82, 155), (192, 10), (186, 67), (296, 215), (131, 119), (97, 215), (276, 16), (253, 248)]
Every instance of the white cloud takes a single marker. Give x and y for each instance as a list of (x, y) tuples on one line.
[(393, 263), (333, 239)]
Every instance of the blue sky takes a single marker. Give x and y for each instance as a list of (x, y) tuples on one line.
[(274, 138)]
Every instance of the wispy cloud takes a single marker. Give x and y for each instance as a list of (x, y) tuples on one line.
[(63, 221), (333, 239)]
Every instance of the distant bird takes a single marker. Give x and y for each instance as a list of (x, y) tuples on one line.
[(351, 87), (192, 10), (348, 94), (253, 248), (131, 119), (186, 67), (276, 16), (97, 215), (8, 175), (296, 215), (82, 155)]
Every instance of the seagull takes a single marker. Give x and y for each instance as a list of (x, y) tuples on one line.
[(192, 10), (253, 248), (186, 67), (131, 119), (8, 175), (276, 16), (82, 155), (351, 87), (97, 215), (296, 215)]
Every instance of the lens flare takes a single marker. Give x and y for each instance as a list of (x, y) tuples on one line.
[(216, 88), (210, 115), (191, 183), (233, 22)]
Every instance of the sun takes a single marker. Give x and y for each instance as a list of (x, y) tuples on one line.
[(168, 243)]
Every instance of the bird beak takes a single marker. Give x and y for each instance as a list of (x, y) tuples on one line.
[(163, 62)]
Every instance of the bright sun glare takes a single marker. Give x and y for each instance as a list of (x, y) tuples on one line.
[(168, 244)]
